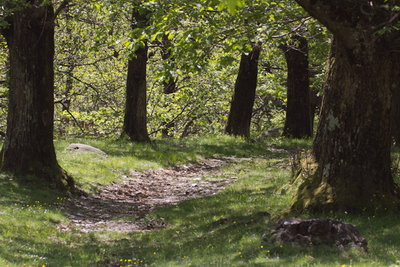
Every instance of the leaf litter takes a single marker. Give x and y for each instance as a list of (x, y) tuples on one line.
[(125, 207)]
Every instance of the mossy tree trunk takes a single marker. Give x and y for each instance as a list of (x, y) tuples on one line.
[(135, 119), (298, 118), (28, 147), (240, 113), (352, 146)]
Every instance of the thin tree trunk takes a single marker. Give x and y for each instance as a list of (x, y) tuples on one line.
[(28, 147), (135, 119), (315, 103), (239, 118), (170, 84), (298, 118)]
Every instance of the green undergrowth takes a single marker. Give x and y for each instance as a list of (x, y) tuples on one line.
[(221, 230)]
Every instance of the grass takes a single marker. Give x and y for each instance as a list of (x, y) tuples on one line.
[(221, 230)]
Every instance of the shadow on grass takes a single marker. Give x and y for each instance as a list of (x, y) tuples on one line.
[(25, 189), (204, 229), (29, 218), (222, 230), (225, 229)]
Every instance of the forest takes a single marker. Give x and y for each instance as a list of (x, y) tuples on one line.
[(199, 133)]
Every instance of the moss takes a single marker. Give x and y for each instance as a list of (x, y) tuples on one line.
[(315, 194), (307, 167)]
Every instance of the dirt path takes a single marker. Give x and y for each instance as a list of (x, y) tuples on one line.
[(140, 193)]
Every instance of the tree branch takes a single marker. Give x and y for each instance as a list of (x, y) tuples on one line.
[(72, 116), (61, 7), (337, 15)]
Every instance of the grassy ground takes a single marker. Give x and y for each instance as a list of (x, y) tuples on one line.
[(222, 230)]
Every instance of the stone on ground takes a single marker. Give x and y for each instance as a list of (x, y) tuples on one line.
[(82, 148)]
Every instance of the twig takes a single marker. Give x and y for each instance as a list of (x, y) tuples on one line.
[(73, 117), (173, 120), (61, 7), (303, 20)]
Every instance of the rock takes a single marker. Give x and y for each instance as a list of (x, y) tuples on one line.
[(316, 232), (274, 132), (82, 148)]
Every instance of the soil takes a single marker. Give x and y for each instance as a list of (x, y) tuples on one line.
[(124, 207)]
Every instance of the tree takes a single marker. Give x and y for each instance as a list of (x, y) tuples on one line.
[(298, 118), (396, 107), (135, 119), (169, 83), (245, 90), (28, 147), (352, 146)]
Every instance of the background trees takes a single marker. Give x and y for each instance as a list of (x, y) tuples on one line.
[(206, 44), (198, 46), (91, 38)]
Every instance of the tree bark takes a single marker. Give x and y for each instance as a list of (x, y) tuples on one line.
[(28, 147), (169, 84), (315, 104), (135, 119), (396, 103), (240, 113), (352, 146), (298, 118)]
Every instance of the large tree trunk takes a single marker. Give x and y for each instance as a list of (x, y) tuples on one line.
[(239, 118), (135, 119), (28, 147), (352, 146), (298, 118)]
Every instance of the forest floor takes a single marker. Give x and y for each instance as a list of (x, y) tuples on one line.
[(186, 202), (141, 192)]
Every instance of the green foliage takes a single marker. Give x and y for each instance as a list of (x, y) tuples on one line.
[(95, 40), (90, 75)]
